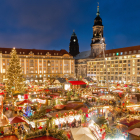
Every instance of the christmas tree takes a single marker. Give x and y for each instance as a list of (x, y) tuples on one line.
[(15, 80)]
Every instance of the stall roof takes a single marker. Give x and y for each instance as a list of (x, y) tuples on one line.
[(25, 101), (16, 120), (135, 131), (77, 82)]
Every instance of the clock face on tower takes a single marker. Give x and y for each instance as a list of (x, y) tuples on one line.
[(74, 40)]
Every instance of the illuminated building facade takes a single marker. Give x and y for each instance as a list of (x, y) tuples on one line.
[(123, 65), (39, 65)]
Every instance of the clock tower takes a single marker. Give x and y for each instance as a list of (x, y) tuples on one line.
[(74, 45), (97, 39)]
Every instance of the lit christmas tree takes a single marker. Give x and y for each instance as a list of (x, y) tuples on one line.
[(15, 80)]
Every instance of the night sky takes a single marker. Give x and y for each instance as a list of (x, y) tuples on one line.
[(48, 24)]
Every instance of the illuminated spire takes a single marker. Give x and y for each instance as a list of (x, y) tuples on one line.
[(98, 10)]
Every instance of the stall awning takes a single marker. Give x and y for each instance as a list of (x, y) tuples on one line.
[(77, 82)]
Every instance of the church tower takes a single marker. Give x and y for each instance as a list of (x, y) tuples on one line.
[(74, 45), (97, 40)]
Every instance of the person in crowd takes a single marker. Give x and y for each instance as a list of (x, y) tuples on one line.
[(80, 122), (67, 124)]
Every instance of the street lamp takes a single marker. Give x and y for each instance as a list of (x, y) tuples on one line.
[(103, 47)]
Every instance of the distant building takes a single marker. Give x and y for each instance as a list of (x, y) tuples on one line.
[(39, 65), (123, 65), (96, 48), (74, 45)]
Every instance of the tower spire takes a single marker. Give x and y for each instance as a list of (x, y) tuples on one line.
[(98, 10)]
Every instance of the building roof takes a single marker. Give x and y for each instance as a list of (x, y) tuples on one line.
[(121, 51), (83, 55), (21, 51)]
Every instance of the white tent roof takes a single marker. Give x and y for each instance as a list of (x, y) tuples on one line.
[(84, 137), (135, 131), (82, 133)]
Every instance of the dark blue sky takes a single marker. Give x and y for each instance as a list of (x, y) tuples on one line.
[(48, 24)]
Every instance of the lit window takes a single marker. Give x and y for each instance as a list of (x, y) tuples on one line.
[(134, 51), (121, 53), (117, 53), (48, 64), (3, 70), (130, 52), (125, 52), (40, 71), (23, 52), (3, 64), (5, 51), (44, 71), (40, 76), (113, 54)]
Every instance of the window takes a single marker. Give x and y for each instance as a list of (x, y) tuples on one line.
[(106, 54), (130, 52), (134, 51), (23, 52), (3, 70), (128, 65), (125, 53), (121, 53), (3, 64), (113, 54), (117, 53), (5, 51), (138, 51), (109, 54)]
